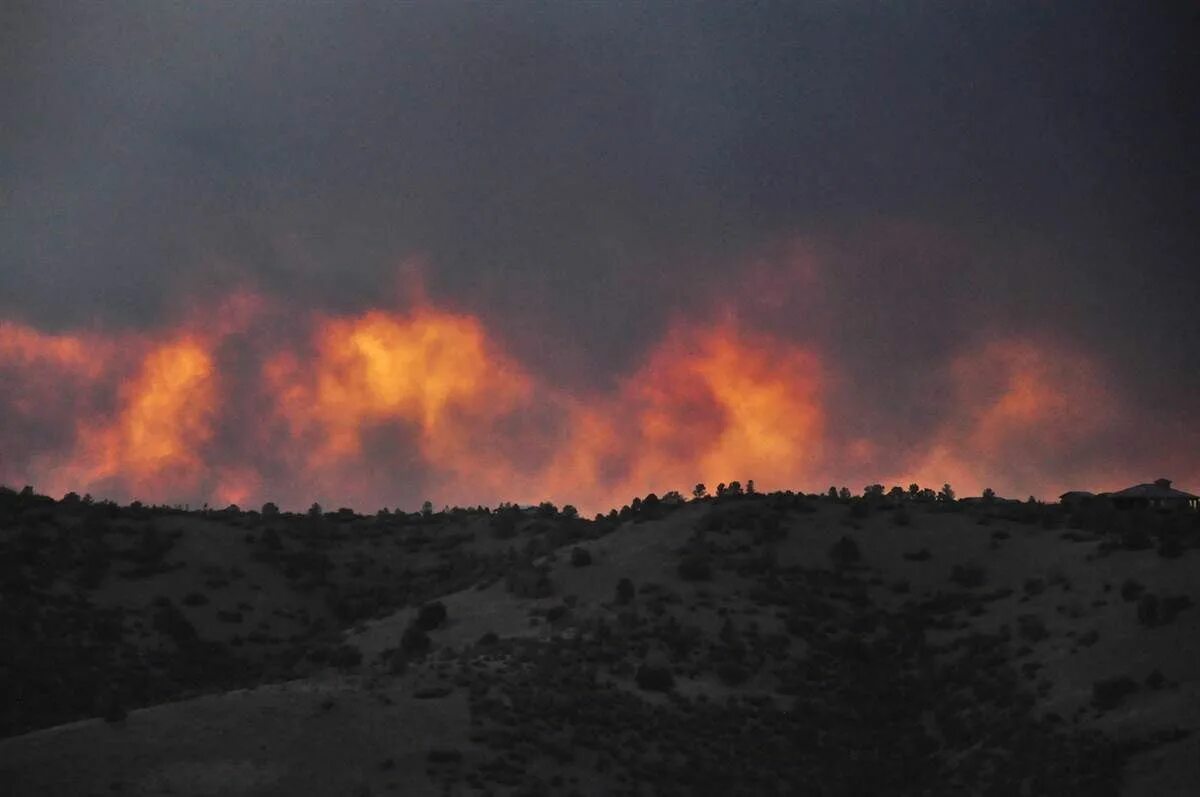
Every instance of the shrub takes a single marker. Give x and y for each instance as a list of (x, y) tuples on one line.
[(967, 576), (844, 553), (1136, 540), (580, 557), (415, 641), (1109, 693), (918, 556), (1032, 627), (195, 599), (1131, 590), (113, 711), (654, 678), (1147, 610), (488, 639), (1172, 605), (732, 674), (695, 567), (1035, 586), (1170, 547), (345, 657), (431, 616), (444, 756), (625, 591), (1156, 680)]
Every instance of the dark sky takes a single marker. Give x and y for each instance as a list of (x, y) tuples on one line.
[(579, 174)]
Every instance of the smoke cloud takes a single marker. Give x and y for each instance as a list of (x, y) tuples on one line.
[(375, 254)]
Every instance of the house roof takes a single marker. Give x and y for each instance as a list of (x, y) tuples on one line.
[(1077, 494), (1153, 491)]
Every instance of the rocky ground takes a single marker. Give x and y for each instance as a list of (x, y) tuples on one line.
[(780, 644)]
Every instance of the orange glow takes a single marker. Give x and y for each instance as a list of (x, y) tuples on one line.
[(165, 416), (1015, 402), (382, 407), (431, 371), (708, 405)]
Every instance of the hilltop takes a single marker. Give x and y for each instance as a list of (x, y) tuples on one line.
[(758, 644)]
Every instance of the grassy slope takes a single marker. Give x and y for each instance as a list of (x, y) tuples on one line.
[(374, 737)]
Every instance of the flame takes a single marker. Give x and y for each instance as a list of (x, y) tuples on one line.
[(229, 407), (165, 417), (1016, 403), (708, 405)]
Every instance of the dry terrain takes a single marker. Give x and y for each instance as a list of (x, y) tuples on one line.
[(760, 644)]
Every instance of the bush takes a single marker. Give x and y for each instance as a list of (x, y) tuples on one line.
[(431, 616), (345, 657), (489, 639), (695, 567), (580, 557), (1032, 627), (922, 555), (444, 756), (1136, 540), (1147, 610), (844, 553), (415, 641), (655, 678), (1170, 547), (625, 591), (1109, 693), (732, 674), (967, 576), (1131, 590), (195, 599)]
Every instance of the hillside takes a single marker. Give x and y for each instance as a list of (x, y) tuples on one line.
[(775, 644)]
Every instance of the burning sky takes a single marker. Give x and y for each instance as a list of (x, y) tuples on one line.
[(660, 244), (386, 406)]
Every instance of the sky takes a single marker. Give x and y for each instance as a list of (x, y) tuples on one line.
[(370, 254)]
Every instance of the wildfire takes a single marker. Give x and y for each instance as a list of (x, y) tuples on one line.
[(379, 404)]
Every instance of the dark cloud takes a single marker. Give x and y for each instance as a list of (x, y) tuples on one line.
[(580, 174)]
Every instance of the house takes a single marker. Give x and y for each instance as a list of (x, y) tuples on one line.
[(1159, 495), (1075, 498)]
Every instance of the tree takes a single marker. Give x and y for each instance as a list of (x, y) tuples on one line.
[(269, 509), (914, 490), (734, 489), (427, 508), (570, 512), (946, 494), (844, 494), (833, 493), (699, 492), (721, 490), (314, 510), (896, 493), (873, 491), (989, 494), (750, 487)]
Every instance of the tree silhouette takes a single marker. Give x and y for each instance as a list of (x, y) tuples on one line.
[(946, 494), (699, 492)]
